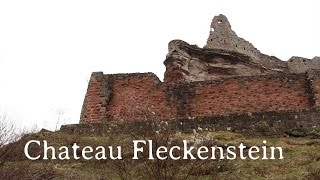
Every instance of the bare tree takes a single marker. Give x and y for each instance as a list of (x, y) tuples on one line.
[(9, 137), (9, 133), (60, 118), (7, 130)]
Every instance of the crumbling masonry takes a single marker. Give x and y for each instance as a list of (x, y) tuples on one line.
[(227, 77)]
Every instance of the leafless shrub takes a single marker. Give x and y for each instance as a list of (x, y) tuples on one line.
[(9, 133), (11, 149)]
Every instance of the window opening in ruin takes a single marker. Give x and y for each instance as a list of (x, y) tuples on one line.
[(219, 21)]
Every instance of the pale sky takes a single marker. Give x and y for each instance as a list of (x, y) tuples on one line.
[(48, 49)]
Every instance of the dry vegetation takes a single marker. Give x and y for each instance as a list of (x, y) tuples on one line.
[(9, 141), (301, 157), (301, 161)]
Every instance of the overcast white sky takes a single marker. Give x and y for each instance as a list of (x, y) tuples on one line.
[(48, 49)]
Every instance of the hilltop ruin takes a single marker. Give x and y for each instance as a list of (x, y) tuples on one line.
[(228, 79)]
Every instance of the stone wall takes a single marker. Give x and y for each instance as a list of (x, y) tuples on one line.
[(251, 94), (294, 123), (300, 64), (96, 99), (136, 96), (314, 79), (140, 96)]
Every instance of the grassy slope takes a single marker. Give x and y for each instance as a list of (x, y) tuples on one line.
[(301, 159)]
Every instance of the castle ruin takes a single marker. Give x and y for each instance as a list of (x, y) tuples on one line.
[(227, 78)]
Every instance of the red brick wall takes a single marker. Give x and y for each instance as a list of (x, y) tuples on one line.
[(255, 95), (136, 97), (140, 96), (93, 105)]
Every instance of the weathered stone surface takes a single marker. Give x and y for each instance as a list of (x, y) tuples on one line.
[(292, 123), (188, 63), (214, 87), (226, 54), (300, 64)]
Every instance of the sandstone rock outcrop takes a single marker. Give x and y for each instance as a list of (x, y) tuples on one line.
[(226, 55)]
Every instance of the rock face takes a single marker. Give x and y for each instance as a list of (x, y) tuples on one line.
[(301, 65), (226, 54)]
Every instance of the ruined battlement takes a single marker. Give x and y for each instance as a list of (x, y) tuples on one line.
[(130, 97), (228, 76)]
